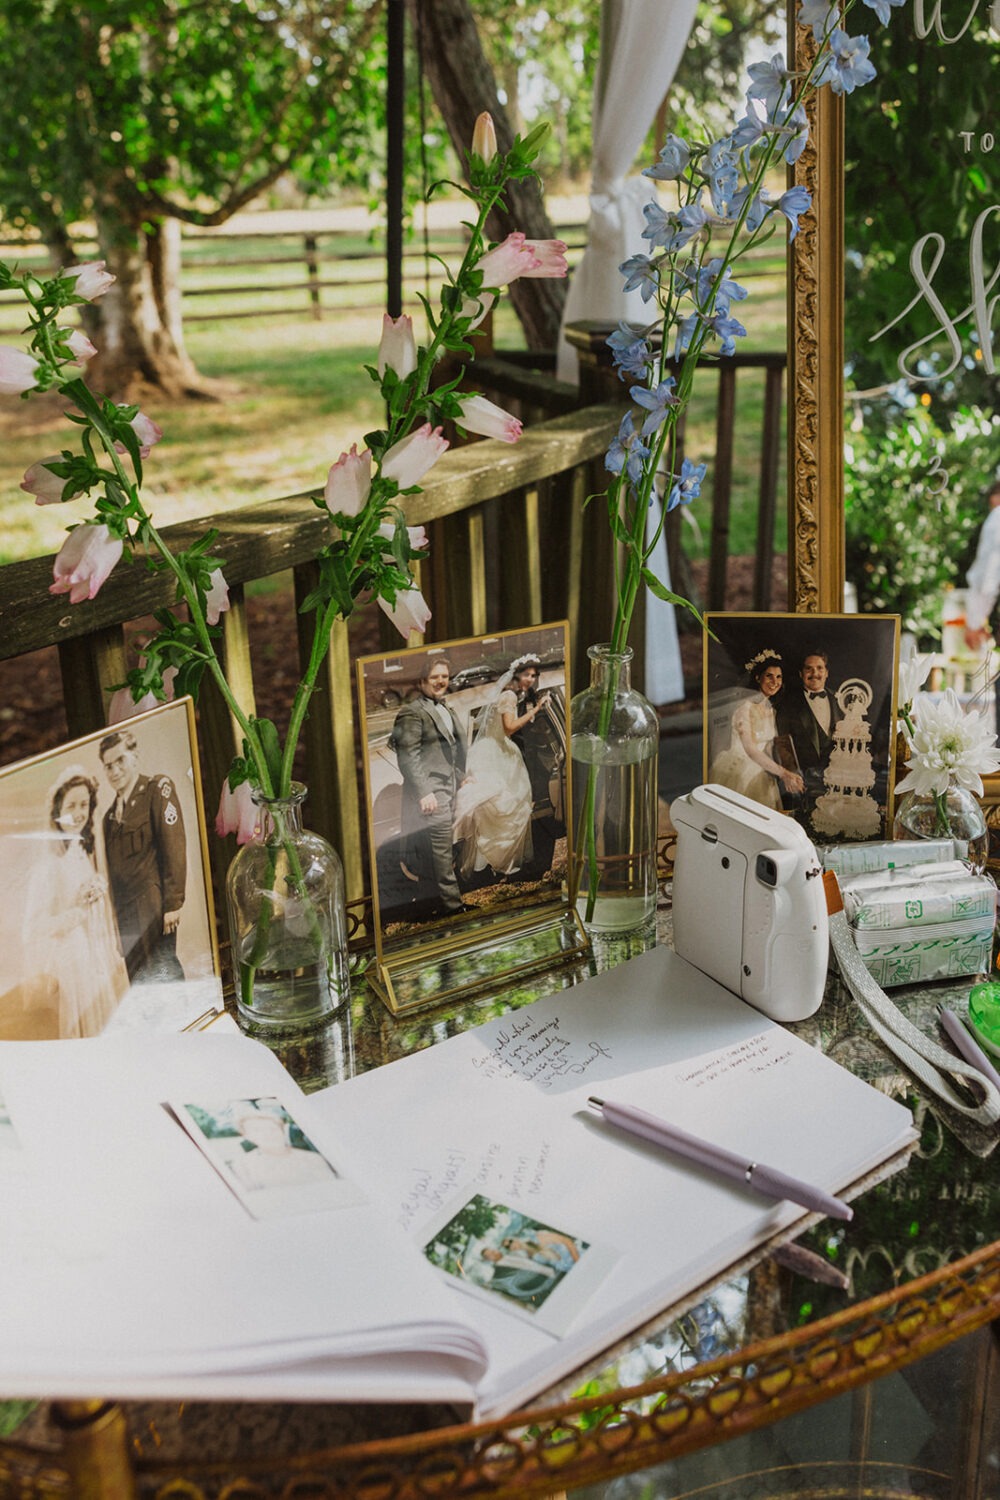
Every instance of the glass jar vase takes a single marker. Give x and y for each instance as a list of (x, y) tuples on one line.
[(955, 814), (615, 736), (287, 924)]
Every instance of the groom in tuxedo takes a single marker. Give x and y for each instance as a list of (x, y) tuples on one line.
[(430, 751), (809, 714)]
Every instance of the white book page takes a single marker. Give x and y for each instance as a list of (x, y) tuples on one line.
[(504, 1110), (125, 1257)]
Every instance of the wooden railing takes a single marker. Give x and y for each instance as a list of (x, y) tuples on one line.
[(510, 545)]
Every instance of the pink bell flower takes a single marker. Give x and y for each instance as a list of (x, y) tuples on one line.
[(217, 598), (488, 419), (238, 813), (410, 611), (477, 309), (84, 561), (123, 706), (46, 487), (551, 255), (417, 535), (146, 430), (18, 371), (484, 137), (81, 346), (397, 349), (409, 460), (512, 258), (349, 482), (92, 280)]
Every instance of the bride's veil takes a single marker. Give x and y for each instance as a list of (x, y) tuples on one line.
[(489, 725)]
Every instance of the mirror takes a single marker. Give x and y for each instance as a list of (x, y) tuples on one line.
[(904, 177)]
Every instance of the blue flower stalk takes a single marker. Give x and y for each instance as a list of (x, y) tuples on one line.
[(721, 198)]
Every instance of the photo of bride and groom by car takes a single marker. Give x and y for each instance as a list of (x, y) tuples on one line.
[(466, 774), (104, 905)]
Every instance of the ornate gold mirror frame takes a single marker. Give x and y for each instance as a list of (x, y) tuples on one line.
[(816, 357)]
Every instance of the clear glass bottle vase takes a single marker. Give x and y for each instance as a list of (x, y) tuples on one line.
[(955, 814), (287, 924), (614, 748)]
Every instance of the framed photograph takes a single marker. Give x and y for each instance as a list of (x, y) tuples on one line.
[(800, 714), (467, 786), (105, 903)]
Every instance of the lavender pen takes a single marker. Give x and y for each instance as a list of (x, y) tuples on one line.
[(769, 1181)]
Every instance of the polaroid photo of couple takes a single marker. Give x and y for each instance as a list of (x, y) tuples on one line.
[(105, 906)]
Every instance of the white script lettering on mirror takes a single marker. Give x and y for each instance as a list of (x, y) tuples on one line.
[(980, 309), (923, 26)]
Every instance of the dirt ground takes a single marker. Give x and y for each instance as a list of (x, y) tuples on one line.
[(32, 719)]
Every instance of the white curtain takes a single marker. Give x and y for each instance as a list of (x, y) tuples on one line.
[(647, 38)]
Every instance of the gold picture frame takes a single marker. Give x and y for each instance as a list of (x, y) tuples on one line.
[(106, 912), (469, 839)]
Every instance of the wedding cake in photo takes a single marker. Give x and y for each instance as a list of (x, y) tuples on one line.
[(847, 807)]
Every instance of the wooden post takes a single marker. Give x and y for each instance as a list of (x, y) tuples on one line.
[(312, 268)]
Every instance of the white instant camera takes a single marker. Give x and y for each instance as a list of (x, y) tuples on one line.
[(749, 908)]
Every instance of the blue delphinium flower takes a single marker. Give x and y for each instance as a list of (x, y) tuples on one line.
[(848, 66), (728, 330), (727, 291), (675, 156), (797, 121), (660, 226), (642, 273), (627, 452), (655, 403), (882, 8), (758, 210), (723, 178), (797, 200), (685, 333), (769, 81), (751, 126), (820, 15), (630, 351), (688, 486), (691, 219)]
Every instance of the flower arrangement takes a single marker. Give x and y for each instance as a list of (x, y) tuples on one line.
[(370, 550), (721, 199), (948, 746)]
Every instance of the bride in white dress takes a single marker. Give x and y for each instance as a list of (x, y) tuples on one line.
[(71, 914), (494, 803), (746, 764)]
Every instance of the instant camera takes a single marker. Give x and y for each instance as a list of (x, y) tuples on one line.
[(749, 908)]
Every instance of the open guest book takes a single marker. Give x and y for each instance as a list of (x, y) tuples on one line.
[(180, 1221)]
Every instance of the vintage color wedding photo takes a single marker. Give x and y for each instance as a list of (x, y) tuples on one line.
[(466, 775), (105, 914), (799, 716)]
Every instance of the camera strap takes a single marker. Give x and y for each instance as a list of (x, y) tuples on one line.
[(935, 1067)]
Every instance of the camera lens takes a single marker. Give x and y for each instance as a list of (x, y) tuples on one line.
[(767, 870)]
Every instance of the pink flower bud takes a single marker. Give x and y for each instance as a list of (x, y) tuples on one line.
[(18, 371), (81, 346), (507, 261), (551, 255), (92, 280), (217, 598), (123, 706), (348, 483), (238, 813), (409, 460), (484, 417), (85, 559), (397, 349), (477, 308), (417, 535), (46, 487), (146, 431), (410, 611), (484, 137)]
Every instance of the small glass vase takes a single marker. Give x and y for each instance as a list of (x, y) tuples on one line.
[(287, 924), (615, 737), (955, 814)]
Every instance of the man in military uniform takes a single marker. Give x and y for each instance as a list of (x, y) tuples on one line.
[(145, 848)]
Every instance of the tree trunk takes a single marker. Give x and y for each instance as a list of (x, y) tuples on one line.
[(139, 336), (463, 86)]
